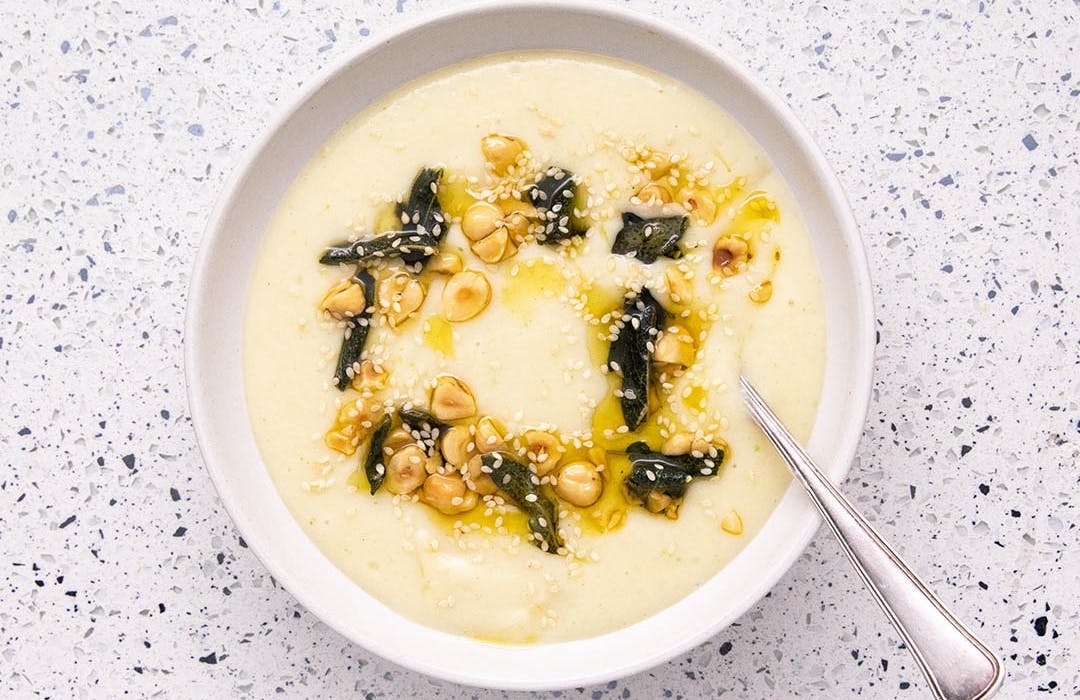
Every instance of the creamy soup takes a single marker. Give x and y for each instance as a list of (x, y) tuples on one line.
[(530, 281)]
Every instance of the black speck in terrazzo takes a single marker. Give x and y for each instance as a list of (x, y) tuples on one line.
[(210, 658), (1040, 625), (984, 489), (67, 521), (180, 531), (129, 461), (964, 449), (174, 494)]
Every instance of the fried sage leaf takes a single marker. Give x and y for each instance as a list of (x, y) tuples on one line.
[(553, 196), (409, 246), (667, 474), (374, 463), (424, 427), (356, 331), (422, 227), (649, 239), (630, 354), (523, 487)]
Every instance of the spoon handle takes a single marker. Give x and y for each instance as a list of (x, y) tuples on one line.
[(957, 665)]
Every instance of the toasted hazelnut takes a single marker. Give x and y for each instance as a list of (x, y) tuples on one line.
[(731, 523), (510, 205), (700, 204), (480, 220), (345, 299), (400, 296), (370, 378), (490, 437), (679, 288), (356, 412), (543, 450), (495, 247), (405, 470), (654, 194), (451, 399), (675, 347), (657, 164), (729, 255), (343, 440), (477, 479), (448, 494), (677, 444), (657, 502), (761, 293), (501, 151), (579, 483), (448, 262), (466, 294), (455, 445)]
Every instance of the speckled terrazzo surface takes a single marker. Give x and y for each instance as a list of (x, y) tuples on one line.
[(955, 134)]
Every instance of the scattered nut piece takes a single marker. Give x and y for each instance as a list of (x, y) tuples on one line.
[(761, 293), (447, 262), (400, 296), (543, 450), (448, 494), (397, 439), (405, 470), (490, 436), (370, 378), (677, 444), (731, 523), (517, 225), (343, 441), (654, 194), (501, 151), (480, 220), (679, 288), (675, 347), (657, 502), (455, 445), (579, 483), (729, 255), (345, 299), (451, 399), (466, 294)]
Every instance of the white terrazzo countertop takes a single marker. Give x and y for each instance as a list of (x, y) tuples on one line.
[(955, 134)]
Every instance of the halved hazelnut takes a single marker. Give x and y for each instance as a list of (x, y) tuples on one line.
[(451, 399), (495, 247), (543, 450), (448, 262), (466, 294), (654, 194), (677, 444), (490, 436), (370, 378), (480, 220), (405, 470), (579, 483), (448, 494), (501, 151), (700, 204), (729, 255), (679, 288), (400, 296), (455, 445), (477, 479), (675, 347), (345, 299)]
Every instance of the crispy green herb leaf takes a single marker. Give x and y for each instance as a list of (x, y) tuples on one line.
[(667, 474), (553, 197), (409, 246), (523, 487), (648, 239), (356, 331), (374, 464), (422, 213), (425, 428), (630, 354)]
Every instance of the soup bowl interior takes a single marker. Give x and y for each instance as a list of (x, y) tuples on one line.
[(224, 265)]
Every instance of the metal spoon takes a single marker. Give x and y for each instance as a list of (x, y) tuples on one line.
[(957, 665)]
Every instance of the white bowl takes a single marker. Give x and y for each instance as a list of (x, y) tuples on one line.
[(223, 268)]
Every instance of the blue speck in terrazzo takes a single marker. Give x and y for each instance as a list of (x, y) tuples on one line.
[(1030, 142), (195, 129)]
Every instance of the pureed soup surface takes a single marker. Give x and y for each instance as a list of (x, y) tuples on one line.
[(738, 288)]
